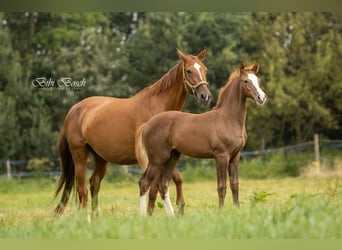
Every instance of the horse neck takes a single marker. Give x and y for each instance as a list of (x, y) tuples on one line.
[(172, 97), (233, 103)]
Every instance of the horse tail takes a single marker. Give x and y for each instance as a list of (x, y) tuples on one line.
[(140, 150), (67, 178)]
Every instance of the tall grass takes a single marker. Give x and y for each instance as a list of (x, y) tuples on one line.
[(302, 207)]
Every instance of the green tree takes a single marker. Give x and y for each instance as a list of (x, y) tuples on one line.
[(76, 45), (298, 53), (151, 49), (118, 54), (8, 127)]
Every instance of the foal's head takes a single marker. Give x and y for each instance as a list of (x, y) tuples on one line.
[(195, 79), (250, 83)]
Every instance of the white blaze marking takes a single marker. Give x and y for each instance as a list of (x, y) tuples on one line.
[(143, 207), (255, 82), (197, 66), (168, 205)]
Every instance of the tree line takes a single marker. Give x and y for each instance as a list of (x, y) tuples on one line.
[(50, 61)]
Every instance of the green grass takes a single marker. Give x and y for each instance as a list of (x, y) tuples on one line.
[(302, 207)]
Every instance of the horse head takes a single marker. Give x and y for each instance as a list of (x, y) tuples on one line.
[(250, 83), (194, 74)]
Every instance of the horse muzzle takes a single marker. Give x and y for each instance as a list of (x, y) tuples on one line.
[(203, 95), (261, 99)]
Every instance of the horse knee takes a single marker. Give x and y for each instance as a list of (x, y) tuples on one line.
[(234, 187), (222, 189)]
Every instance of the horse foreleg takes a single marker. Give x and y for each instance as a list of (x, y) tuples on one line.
[(234, 178), (95, 181), (221, 172), (178, 180)]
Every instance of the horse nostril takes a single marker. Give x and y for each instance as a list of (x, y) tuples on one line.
[(262, 98), (205, 98)]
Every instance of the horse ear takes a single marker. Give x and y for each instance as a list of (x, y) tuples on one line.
[(242, 66), (255, 67), (201, 55), (181, 55)]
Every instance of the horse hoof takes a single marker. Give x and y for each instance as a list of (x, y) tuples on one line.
[(180, 209)]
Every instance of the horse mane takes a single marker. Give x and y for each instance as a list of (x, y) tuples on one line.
[(164, 82), (233, 76)]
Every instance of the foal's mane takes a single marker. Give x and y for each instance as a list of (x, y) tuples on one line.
[(232, 78), (164, 82)]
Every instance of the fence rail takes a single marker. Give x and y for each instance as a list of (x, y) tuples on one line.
[(315, 146)]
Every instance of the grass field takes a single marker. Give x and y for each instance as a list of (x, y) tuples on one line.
[(303, 207)]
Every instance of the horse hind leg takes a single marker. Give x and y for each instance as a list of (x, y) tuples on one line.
[(95, 181), (167, 174), (178, 180), (79, 155), (144, 185), (149, 180), (164, 190)]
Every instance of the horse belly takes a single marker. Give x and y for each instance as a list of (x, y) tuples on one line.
[(115, 149), (112, 136), (196, 151), (191, 143)]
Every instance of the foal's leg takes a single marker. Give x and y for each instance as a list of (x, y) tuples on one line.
[(234, 178), (178, 180), (95, 181), (153, 190), (221, 172), (149, 178), (164, 183)]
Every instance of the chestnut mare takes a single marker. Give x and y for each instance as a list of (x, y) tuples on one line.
[(106, 127), (219, 134)]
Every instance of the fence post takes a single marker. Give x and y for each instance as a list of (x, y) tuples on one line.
[(8, 168), (316, 147)]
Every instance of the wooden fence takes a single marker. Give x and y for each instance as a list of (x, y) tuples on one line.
[(311, 146)]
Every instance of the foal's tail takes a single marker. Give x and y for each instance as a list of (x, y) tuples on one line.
[(67, 179), (140, 151)]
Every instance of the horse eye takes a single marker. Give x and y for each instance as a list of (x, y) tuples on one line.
[(188, 71), (245, 81)]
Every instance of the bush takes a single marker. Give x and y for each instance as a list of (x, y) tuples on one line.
[(276, 165), (38, 166), (117, 172), (197, 169)]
